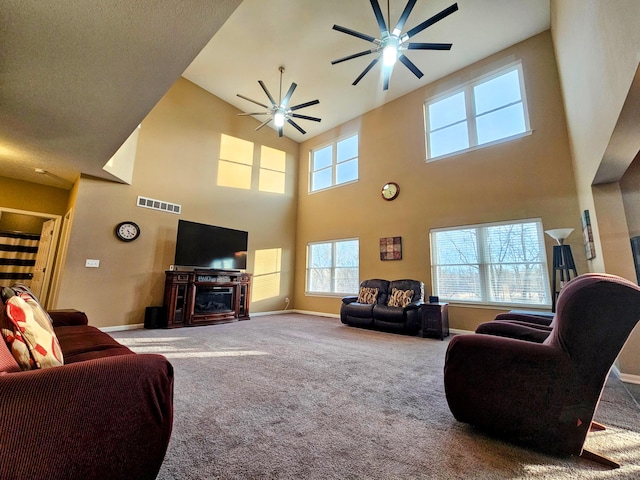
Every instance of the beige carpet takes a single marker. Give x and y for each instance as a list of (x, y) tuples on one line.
[(303, 397)]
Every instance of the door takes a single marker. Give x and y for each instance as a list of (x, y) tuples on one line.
[(40, 272)]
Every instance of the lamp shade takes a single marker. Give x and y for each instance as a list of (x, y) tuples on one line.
[(559, 234)]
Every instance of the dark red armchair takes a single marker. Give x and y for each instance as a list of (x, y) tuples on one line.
[(544, 395)]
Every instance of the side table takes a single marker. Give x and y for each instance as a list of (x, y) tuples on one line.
[(434, 319)]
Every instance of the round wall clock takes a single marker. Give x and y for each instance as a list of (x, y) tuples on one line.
[(390, 190), (127, 231)]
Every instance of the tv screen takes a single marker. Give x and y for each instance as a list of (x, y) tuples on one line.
[(208, 246)]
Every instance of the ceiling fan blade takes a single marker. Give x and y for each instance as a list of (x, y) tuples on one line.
[(296, 126), (253, 113), (366, 70), (287, 97), (306, 104), (384, 31), (253, 101), (429, 46), (305, 117), (387, 77), (263, 123), (348, 31), (404, 16), (355, 55), (273, 102), (411, 66), (436, 18)]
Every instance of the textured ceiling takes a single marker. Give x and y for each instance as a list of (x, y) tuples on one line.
[(78, 77)]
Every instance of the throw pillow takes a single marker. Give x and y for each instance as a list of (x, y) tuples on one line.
[(368, 295), (400, 298), (27, 329)]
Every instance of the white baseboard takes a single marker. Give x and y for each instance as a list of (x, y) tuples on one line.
[(319, 314), (629, 378), (119, 328), (460, 332)]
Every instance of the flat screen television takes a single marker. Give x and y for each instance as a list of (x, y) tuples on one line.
[(207, 246)]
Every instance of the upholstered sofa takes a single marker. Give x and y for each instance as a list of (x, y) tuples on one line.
[(99, 412), (390, 305)]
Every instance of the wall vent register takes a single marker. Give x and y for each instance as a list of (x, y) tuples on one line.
[(161, 205)]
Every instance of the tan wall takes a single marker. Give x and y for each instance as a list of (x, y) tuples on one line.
[(630, 185), (32, 197), (177, 161), (526, 178), (597, 45)]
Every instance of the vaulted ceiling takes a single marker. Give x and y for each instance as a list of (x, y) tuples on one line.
[(78, 77)]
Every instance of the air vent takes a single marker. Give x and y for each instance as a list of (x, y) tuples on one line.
[(159, 205)]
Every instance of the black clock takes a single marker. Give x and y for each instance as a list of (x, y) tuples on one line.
[(127, 231)]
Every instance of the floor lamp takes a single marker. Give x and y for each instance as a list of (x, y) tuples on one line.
[(564, 267)]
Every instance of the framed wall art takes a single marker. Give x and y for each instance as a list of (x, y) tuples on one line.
[(587, 234), (391, 248)]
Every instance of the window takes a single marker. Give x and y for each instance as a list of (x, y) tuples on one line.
[(334, 164), (498, 263), (483, 112), (333, 267)]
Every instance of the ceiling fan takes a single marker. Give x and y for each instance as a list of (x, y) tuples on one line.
[(281, 112), (390, 44)]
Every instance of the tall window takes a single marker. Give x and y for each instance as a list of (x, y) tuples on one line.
[(334, 164), (485, 111), (333, 267), (497, 263)]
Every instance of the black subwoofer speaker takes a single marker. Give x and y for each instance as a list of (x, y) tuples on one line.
[(154, 317)]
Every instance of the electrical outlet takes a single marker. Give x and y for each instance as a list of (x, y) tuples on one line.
[(91, 263)]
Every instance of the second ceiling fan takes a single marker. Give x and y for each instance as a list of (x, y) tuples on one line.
[(390, 44)]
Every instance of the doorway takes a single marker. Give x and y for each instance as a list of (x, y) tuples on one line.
[(28, 244)]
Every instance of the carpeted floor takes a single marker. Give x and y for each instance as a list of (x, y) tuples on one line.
[(303, 397)]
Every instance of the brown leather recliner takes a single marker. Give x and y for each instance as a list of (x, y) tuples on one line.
[(544, 395)]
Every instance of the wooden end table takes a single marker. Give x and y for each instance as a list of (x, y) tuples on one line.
[(434, 320)]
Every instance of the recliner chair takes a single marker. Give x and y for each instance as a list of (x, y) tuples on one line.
[(544, 395)]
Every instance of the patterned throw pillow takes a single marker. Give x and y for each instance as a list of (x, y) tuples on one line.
[(400, 298), (28, 332), (368, 295)]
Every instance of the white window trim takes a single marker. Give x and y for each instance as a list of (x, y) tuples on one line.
[(334, 171), (483, 279), (467, 87), (311, 293)]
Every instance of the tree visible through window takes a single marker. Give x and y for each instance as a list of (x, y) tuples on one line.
[(333, 267), (334, 164), (502, 263), (482, 112)]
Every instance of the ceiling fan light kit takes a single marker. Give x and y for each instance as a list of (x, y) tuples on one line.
[(280, 112), (390, 45)]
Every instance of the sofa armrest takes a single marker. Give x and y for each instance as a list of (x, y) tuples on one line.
[(519, 317), (414, 305), (349, 299), (531, 332), (66, 318), (105, 418)]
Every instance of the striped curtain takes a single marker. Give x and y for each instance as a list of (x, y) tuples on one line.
[(18, 256)]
